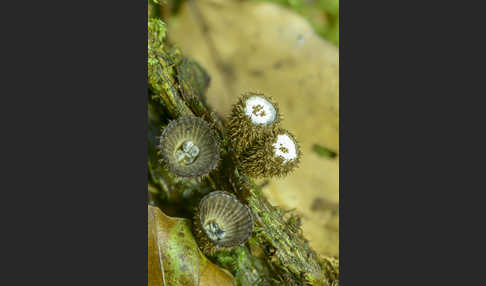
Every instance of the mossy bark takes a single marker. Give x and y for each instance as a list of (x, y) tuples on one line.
[(277, 252)]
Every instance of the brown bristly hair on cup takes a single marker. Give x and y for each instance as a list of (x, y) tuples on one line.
[(276, 155)]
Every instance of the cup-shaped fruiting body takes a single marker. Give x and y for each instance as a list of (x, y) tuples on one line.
[(222, 222), (274, 156), (253, 116), (189, 147)]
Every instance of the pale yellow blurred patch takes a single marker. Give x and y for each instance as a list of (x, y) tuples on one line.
[(248, 46)]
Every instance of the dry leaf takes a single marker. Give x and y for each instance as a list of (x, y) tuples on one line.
[(248, 46), (174, 257)]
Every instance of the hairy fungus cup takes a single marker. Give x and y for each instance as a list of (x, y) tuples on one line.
[(274, 156), (222, 222), (253, 116), (189, 147)]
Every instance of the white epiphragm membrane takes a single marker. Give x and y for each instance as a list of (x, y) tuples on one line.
[(260, 110), (285, 148)]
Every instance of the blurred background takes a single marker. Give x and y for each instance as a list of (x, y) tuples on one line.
[(287, 49)]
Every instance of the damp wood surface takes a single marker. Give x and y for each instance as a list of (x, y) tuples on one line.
[(248, 46)]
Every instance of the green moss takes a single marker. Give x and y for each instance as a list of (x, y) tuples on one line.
[(323, 151), (247, 269)]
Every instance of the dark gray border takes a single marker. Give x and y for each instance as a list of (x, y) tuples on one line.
[(74, 143), (409, 129)]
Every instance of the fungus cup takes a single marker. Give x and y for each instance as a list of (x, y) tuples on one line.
[(252, 117), (189, 147), (275, 156), (222, 222)]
